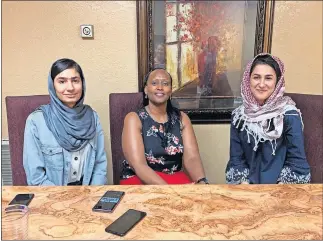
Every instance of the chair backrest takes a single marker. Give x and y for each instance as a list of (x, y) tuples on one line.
[(18, 109), (120, 105), (311, 107)]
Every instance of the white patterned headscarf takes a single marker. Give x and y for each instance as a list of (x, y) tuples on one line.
[(257, 118)]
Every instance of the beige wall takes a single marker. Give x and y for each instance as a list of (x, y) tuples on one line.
[(297, 40), (34, 34)]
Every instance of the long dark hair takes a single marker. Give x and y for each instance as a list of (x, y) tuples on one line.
[(173, 113), (268, 60)]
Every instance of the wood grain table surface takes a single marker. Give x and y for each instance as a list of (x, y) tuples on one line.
[(177, 211)]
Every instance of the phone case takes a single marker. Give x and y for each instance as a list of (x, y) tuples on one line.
[(26, 202), (94, 209), (131, 225)]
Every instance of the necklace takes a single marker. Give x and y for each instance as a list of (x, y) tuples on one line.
[(151, 115)]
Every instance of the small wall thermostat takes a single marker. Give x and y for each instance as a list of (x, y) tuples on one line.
[(86, 31)]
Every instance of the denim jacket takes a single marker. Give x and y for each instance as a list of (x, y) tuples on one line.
[(47, 163)]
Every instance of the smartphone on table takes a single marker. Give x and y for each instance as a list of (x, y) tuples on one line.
[(23, 199), (108, 201), (125, 222)]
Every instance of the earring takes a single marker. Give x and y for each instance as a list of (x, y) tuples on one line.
[(146, 96), (170, 97)]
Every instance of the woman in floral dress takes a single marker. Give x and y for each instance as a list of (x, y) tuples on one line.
[(158, 140)]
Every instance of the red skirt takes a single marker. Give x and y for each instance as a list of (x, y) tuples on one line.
[(176, 178)]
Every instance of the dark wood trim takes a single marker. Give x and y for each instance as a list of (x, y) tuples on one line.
[(142, 41), (260, 24), (209, 116), (264, 26), (270, 9)]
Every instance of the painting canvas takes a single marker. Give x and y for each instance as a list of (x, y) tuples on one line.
[(205, 45)]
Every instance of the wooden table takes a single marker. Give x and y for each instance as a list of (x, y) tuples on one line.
[(178, 211)]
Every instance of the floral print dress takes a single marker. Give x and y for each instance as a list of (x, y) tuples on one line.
[(163, 151)]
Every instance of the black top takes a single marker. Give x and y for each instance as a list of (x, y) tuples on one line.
[(163, 150)]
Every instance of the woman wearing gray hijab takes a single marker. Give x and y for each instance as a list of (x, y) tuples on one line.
[(64, 142)]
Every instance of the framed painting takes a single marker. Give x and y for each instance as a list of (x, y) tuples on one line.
[(205, 46)]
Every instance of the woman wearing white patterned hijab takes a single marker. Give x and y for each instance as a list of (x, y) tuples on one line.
[(266, 139)]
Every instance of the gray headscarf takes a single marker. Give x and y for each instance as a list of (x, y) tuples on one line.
[(71, 127)]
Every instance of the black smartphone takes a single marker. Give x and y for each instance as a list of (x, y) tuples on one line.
[(108, 201), (125, 222), (23, 199)]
